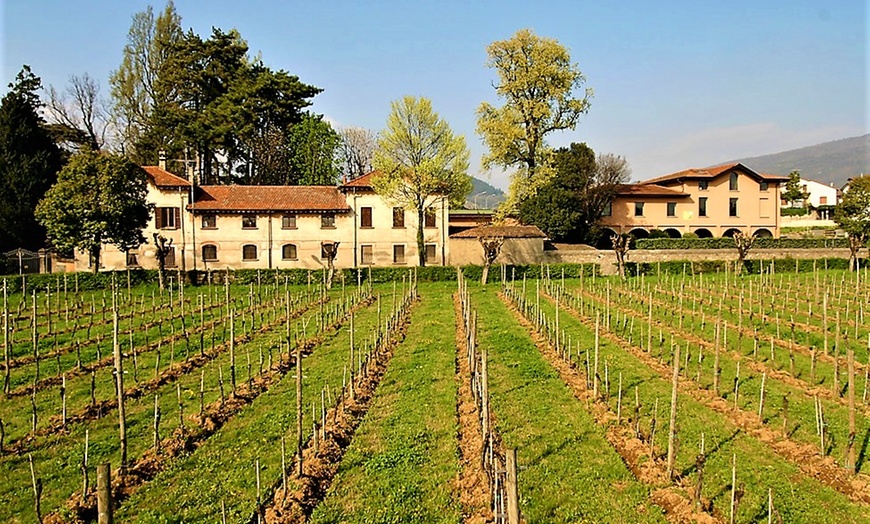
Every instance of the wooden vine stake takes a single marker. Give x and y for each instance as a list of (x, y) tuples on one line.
[(37, 489), (761, 400), (672, 430), (513, 506), (104, 494), (7, 369), (299, 410), (852, 432), (733, 512), (119, 380)]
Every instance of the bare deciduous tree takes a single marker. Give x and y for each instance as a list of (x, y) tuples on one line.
[(357, 149), (163, 246), (79, 115), (329, 250), (743, 243), (621, 245)]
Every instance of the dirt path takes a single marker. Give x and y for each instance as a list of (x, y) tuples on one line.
[(634, 452)]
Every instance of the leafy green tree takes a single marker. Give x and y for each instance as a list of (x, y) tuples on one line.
[(316, 152), (853, 215), (29, 162), (98, 199), (569, 206), (794, 191), (420, 160), (537, 81)]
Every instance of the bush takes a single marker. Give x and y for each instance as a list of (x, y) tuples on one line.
[(793, 211), (780, 265), (689, 234), (658, 233), (728, 243)]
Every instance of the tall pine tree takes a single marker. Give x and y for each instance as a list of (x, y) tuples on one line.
[(29, 163)]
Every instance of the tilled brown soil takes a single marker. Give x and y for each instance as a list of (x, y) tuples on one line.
[(195, 433), (634, 452), (319, 466), (472, 483), (805, 456)]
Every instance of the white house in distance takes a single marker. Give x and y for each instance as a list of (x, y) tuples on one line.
[(820, 196), (277, 227)]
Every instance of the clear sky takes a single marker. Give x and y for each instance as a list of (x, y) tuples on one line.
[(677, 84)]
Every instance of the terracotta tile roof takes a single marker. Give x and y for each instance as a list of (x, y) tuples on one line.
[(163, 178), (707, 173), (646, 189), (270, 198), (501, 231), (781, 178), (364, 181)]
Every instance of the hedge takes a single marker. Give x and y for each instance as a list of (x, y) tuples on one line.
[(728, 243), (780, 265), (793, 211)]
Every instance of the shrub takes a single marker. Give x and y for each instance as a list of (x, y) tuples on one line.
[(728, 243)]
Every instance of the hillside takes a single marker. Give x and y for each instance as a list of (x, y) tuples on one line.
[(484, 195), (827, 162)]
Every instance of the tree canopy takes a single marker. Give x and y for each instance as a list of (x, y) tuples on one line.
[(420, 160), (98, 199), (29, 162), (569, 206), (794, 191), (852, 214), (537, 81)]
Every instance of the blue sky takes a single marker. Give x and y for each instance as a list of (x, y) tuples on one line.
[(677, 84)]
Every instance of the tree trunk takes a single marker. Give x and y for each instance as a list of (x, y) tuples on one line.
[(95, 258), (421, 247)]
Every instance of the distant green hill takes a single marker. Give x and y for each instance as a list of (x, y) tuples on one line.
[(828, 162), (483, 195)]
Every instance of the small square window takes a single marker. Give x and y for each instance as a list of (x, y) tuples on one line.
[(169, 260), (431, 250), (327, 220), (429, 217), (365, 217), (288, 252), (327, 249), (398, 217), (209, 221), (167, 217), (209, 253), (763, 186), (288, 222), (638, 209), (366, 255), (608, 210), (249, 222), (703, 185), (132, 258), (398, 254), (249, 252), (672, 209)]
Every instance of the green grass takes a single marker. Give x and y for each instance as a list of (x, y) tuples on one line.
[(402, 462), (568, 471)]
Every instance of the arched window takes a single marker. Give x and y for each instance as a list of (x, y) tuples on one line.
[(209, 252), (732, 182), (288, 252), (249, 252)]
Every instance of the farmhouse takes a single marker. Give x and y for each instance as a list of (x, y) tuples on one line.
[(275, 227), (819, 197), (709, 202)]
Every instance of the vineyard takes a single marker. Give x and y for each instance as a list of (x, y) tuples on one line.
[(705, 398)]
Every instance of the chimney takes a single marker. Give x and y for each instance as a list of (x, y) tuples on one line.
[(161, 159)]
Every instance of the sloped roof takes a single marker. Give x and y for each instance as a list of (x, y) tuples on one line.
[(651, 190), (707, 173), (364, 181), (163, 178), (501, 231), (270, 198)]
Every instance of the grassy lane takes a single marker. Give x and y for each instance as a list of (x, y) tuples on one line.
[(798, 498), (223, 468), (402, 463), (568, 471)]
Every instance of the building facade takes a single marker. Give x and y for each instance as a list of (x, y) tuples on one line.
[(709, 202), (278, 227)]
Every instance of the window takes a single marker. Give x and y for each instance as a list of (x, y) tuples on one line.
[(209, 221), (732, 182), (638, 209), (823, 201), (608, 209), (365, 217), (703, 185), (732, 207), (288, 222), (702, 207), (672, 209), (249, 222), (399, 254), (249, 252), (325, 248), (169, 261), (398, 217), (366, 255), (209, 253), (327, 220), (167, 217), (430, 253), (132, 258), (429, 217), (763, 186), (288, 252)]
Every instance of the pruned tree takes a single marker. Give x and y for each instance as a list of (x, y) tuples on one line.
[(420, 162), (852, 214), (491, 249), (163, 247), (329, 251), (743, 243), (79, 116), (537, 81), (357, 150), (98, 199), (621, 246)]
